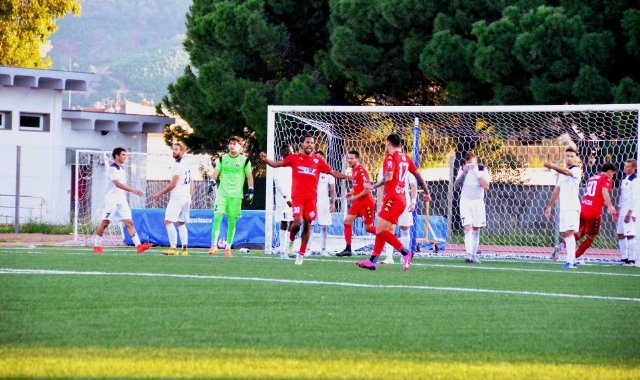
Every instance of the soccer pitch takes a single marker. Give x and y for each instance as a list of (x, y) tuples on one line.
[(68, 313)]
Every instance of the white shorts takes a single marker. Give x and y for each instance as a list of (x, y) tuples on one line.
[(115, 212), (283, 214), (472, 212), (626, 229), (406, 219), (178, 209), (324, 215), (569, 221)]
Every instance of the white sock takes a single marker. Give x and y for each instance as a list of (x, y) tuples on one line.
[(173, 235), (214, 242), (405, 238), (184, 235), (622, 243), (98, 241), (136, 239), (631, 247), (476, 241), (571, 249), (388, 251), (468, 242), (323, 237), (283, 238)]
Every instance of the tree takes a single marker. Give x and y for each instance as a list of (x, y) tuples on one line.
[(25, 27)]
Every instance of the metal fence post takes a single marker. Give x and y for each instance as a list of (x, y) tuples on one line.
[(16, 223)]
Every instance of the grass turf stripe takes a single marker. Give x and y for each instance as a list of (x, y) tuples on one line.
[(307, 282)]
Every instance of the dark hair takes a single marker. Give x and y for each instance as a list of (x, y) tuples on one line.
[(571, 149), (236, 139), (320, 153), (117, 151), (355, 153), (606, 167), (469, 155), (285, 147), (308, 135), (394, 139)]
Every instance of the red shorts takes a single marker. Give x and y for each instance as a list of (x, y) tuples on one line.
[(392, 208), (363, 207), (305, 206), (589, 224)]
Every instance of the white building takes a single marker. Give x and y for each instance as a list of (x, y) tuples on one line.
[(39, 138)]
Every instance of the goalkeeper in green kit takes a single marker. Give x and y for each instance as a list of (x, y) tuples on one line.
[(231, 168)]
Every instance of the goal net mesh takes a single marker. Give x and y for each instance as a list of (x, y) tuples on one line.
[(513, 145), (144, 171)]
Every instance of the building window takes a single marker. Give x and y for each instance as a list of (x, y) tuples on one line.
[(34, 122), (5, 120)]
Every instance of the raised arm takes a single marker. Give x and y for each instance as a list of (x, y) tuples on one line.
[(272, 163), (559, 169), (460, 180)]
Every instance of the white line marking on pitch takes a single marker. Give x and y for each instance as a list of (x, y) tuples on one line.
[(344, 284)]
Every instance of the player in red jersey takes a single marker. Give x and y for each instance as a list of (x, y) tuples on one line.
[(396, 166), (306, 168), (363, 203), (596, 195)]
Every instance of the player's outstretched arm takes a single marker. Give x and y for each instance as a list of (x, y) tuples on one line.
[(272, 163), (559, 169), (119, 185), (171, 186), (385, 178), (423, 185), (338, 175)]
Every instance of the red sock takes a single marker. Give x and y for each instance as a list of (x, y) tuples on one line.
[(391, 239), (348, 232), (303, 249), (378, 245), (583, 247), (371, 230)]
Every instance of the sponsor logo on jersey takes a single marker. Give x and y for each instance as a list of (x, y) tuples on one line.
[(306, 170), (399, 190), (312, 214), (238, 165), (315, 160)]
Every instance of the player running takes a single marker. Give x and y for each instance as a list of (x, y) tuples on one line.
[(232, 168), (472, 208), (396, 166), (363, 203), (325, 206), (283, 213), (306, 168), (626, 214), (179, 204), (115, 203)]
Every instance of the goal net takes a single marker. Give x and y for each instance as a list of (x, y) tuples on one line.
[(512, 141), (144, 171)]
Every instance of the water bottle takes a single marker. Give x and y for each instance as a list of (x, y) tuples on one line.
[(244, 250)]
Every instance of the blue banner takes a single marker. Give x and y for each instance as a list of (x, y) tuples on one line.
[(149, 224)]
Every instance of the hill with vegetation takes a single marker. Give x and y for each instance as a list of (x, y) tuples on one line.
[(135, 45)]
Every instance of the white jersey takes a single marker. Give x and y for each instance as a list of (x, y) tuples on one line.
[(115, 195), (570, 189), (282, 181), (629, 191), (323, 187), (182, 170), (471, 188)]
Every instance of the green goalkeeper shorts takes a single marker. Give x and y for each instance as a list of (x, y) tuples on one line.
[(230, 206)]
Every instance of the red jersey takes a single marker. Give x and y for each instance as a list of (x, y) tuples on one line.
[(401, 166), (305, 173), (360, 177), (593, 200)]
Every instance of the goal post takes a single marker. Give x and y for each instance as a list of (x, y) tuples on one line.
[(512, 141)]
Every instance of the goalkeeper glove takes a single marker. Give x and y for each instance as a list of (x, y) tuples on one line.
[(249, 196), (212, 184)]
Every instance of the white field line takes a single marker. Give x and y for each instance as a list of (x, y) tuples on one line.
[(326, 283)]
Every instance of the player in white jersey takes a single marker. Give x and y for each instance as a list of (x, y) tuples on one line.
[(567, 190), (116, 207), (282, 178), (177, 211), (325, 205), (474, 181), (626, 215), (405, 221)]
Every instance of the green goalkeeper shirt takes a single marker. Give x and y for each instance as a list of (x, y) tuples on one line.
[(233, 171)]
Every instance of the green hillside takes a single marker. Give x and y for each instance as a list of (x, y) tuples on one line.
[(135, 45)]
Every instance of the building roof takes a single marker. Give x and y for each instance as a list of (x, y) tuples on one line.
[(50, 79), (121, 122)]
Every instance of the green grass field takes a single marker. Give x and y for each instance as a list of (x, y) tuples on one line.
[(67, 313)]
